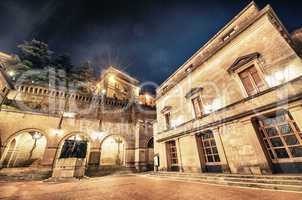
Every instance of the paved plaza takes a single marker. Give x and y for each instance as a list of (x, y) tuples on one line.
[(134, 187)]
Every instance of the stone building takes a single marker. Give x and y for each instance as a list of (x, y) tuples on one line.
[(235, 105), (66, 132), (5, 81)]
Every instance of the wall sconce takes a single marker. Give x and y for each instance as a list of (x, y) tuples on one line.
[(57, 132)]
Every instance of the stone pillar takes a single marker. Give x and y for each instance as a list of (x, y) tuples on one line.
[(94, 156), (188, 154), (179, 155), (51, 151), (221, 150), (140, 150)]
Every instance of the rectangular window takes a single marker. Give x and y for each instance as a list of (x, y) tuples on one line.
[(252, 81), (281, 136), (171, 147), (168, 122), (209, 147), (197, 106)]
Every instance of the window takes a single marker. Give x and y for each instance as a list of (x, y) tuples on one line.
[(167, 118), (281, 136), (252, 81), (197, 106), (172, 153), (209, 147), (74, 149)]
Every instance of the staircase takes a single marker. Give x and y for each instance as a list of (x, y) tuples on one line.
[(24, 173), (109, 170), (273, 182)]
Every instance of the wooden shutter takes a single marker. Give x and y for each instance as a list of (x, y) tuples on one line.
[(247, 82), (197, 106)]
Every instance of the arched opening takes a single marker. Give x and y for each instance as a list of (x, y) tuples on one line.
[(75, 146), (24, 150), (113, 151), (150, 154), (72, 156)]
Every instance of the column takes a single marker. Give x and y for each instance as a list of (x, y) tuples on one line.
[(140, 150)]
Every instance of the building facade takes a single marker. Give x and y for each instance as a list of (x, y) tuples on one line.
[(70, 133), (235, 105), (5, 82)]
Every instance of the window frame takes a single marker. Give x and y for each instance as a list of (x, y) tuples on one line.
[(266, 137), (171, 147), (255, 63), (212, 144), (167, 120), (200, 104)]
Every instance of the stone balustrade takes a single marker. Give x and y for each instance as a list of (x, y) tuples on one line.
[(71, 94)]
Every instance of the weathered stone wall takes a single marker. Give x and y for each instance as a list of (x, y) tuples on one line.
[(232, 111), (123, 124), (263, 37)]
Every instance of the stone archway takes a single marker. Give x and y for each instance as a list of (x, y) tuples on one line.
[(72, 156), (150, 153), (24, 149), (113, 151)]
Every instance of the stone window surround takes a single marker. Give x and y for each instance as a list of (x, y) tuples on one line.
[(259, 67)]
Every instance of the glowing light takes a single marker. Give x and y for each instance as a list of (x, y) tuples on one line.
[(96, 135), (98, 86), (69, 114), (112, 79), (11, 73), (137, 90), (36, 135), (147, 97), (103, 91), (78, 137)]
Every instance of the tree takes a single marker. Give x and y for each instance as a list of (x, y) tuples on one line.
[(84, 72), (35, 54), (62, 62), (83, 76)]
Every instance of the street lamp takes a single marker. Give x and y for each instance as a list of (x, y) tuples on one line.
[(36, 135)]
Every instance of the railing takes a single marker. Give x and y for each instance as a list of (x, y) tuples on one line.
[(71, 95)]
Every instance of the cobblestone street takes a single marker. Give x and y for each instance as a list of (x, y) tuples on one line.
[(134, 187)]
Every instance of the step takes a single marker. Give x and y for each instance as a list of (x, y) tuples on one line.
[(271, 177), (287, 185), (24, 174)]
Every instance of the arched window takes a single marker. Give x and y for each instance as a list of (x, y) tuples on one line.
[(151, 143)]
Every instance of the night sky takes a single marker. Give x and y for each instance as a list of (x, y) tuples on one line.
[(149, 39)]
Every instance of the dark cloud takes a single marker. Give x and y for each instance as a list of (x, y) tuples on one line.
[(147, 38)]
